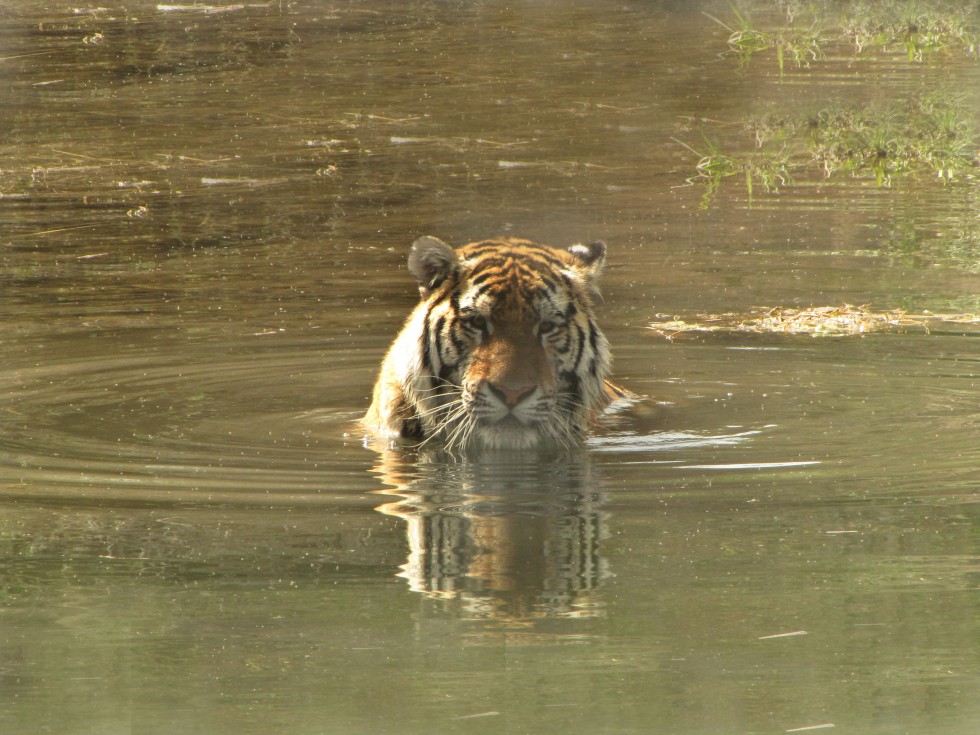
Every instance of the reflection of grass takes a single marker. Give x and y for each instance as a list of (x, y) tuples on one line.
[(799, 44), (711, 168), (771, 170), (954, 242), (930, 133), (918, 26), (915, 26)]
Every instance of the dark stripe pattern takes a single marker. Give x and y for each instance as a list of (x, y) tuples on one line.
[(516, 280)]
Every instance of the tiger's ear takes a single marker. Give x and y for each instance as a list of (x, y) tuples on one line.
[(431, 261), (590, 258)]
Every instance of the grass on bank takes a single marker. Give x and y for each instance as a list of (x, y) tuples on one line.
[(931, 133)]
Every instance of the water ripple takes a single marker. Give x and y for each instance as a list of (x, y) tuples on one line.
[(155, 428)]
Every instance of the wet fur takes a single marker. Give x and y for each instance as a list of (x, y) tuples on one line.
[(502, 351)]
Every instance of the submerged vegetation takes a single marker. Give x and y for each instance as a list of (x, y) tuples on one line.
[(800, 30), (928, 133), (801, 44), (931, 132)]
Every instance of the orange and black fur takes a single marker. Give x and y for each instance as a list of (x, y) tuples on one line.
[(503, 350)]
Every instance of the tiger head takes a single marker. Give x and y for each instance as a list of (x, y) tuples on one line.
[(503, 350)]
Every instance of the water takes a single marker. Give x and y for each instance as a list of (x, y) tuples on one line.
[(205, 220)]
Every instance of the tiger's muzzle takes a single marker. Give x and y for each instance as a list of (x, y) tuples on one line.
[(509, 389)]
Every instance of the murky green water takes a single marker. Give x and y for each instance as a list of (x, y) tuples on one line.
[(204, 219)]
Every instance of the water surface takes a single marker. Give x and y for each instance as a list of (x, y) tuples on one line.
[(204, 220)]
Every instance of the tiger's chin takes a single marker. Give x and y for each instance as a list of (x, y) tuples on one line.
[(511, 435)]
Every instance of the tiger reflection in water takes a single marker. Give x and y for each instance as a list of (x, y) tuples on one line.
[(508, 543)]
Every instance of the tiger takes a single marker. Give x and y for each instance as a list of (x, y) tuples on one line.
[(502, 352)]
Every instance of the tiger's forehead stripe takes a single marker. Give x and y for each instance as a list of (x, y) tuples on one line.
[(531, 267), (515, 288), (526, 270), (522, 247), (516, 274)]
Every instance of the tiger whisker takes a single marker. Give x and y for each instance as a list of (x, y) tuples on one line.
[(453, 412), (459, 434), (435, 409), (443, 386)]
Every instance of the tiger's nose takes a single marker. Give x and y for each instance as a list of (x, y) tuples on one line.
[(510, 397)]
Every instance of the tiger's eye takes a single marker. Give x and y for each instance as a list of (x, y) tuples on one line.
[(476, 321), (545, 327)]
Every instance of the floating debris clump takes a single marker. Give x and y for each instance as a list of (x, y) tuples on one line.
[(822, 321)]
